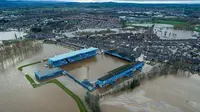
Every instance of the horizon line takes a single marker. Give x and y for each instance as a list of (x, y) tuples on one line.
[(120, 1)]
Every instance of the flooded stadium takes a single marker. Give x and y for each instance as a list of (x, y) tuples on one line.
[(150, 96), (93, 68)]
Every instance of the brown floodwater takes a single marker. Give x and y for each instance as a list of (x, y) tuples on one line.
[(47, 98), (17, 95), (174, 93), (111, 108), (93, 68), (162, 94)]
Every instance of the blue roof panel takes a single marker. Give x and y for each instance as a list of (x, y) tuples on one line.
[(71, 54), (47, 72)]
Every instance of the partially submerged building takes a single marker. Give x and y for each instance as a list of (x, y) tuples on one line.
[(64, 59), (123, 71), (120, 54), (70, 57), (42, 75), (110, 78)]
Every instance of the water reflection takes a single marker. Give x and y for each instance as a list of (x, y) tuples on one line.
[(166, 31), (17, 94), (17, 51), (93, 68), (168, 93)]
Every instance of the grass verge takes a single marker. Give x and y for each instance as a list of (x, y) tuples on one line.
[(75, 97), (21, 67), (55, 81), (32, 81)]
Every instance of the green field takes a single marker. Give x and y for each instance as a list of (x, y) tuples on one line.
[(32, 82), (169, 22), (21, 67), (158, 21), (197, 28), (177, 24)]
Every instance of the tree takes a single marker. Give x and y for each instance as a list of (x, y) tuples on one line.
[(36, 30), (15, 36), (123, 23), (93, 102), (134, 84)]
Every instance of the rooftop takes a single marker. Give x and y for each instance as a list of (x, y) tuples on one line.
[(117, 71), (73, 53), (47, 72)]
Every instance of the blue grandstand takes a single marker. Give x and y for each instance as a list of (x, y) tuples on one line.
[(70, 57), (42, 75), (123, 71)]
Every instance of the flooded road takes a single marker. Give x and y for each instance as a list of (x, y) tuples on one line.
[(17, 95)]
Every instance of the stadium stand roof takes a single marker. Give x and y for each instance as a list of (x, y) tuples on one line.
[(71, 54), (47, 72), (117, 71)]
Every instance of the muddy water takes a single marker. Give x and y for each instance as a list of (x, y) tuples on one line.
[(166, 31), (163, 94), (93, 68), (48, 98), (17, 95), (170, 33), (111, 108)]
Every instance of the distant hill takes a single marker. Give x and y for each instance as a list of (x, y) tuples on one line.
[(29, 4)]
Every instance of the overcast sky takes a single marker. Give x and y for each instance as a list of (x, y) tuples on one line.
[(125, 1)]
